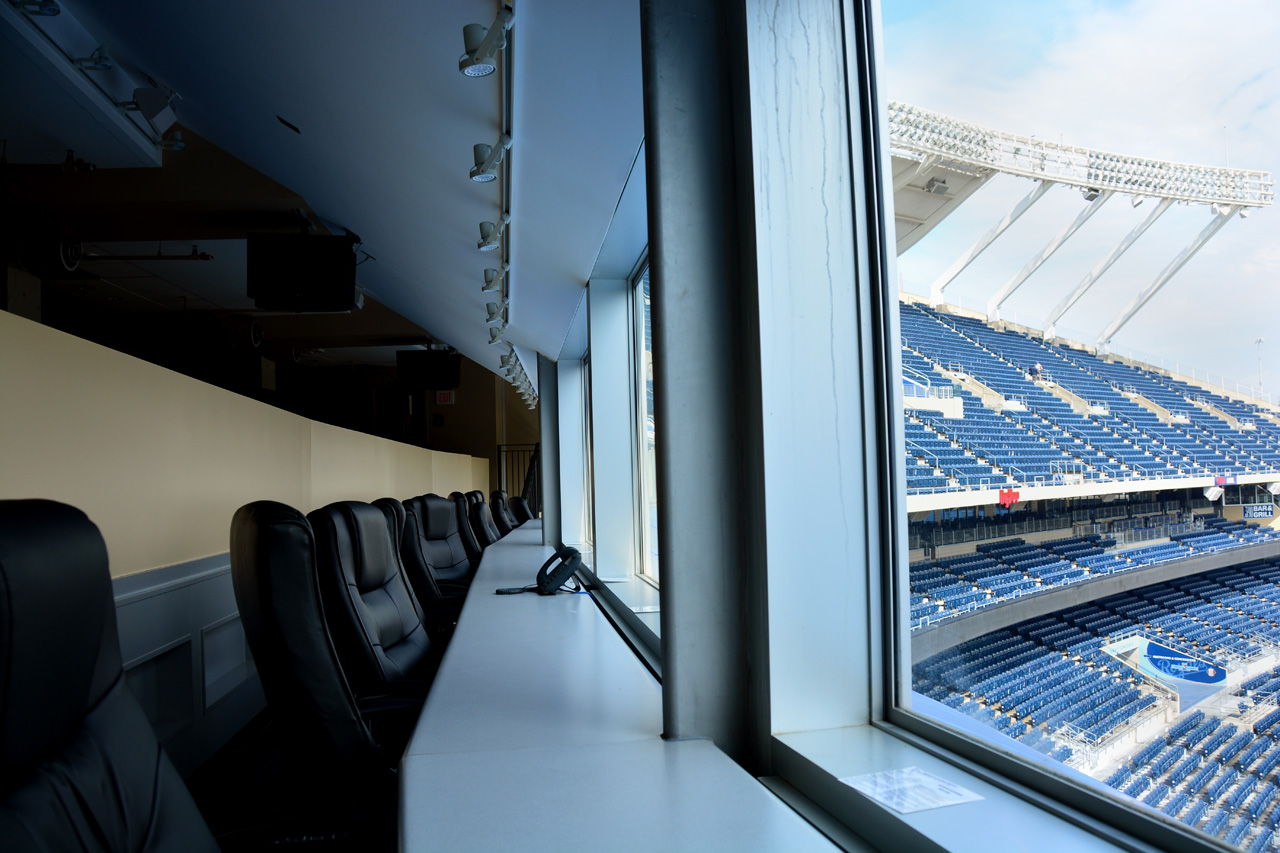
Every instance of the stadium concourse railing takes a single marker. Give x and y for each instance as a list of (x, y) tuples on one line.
[(1018, 478)]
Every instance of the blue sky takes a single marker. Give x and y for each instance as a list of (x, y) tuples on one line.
[(1187, 81)]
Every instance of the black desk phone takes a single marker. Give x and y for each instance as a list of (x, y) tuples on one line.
[(555, 573)]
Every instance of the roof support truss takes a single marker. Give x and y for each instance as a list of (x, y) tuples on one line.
[(935, 292), (993, 307), (1123, 246), (1214, 226)]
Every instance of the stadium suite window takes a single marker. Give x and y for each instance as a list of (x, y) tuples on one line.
[(1047, 702)]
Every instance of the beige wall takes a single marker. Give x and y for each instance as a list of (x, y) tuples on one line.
[(1236, 513), (161, 461)]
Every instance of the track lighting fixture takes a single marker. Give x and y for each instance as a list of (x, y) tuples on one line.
[(173, 142), (487, 159), (149, 101), (96, 61), (482, 45), (509, 361), (493, 278), (495, 310), (496, 332), (491, 234), (45, 8)]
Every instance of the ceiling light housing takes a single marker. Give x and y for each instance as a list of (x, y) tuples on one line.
[(96, 61), (491, 234), (487, 158), (493, 278), (44, 8), (482, 45), (173, 142), (148, 100)]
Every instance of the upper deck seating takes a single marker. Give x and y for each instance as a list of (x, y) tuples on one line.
[(80, 768)]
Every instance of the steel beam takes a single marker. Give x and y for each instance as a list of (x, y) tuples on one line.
[(1214, 226), (993, 307), (1123, 246), (935, 292)]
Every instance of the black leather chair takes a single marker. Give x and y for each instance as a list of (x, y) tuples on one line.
[(375, 619), (80, 768), (441, 600), (469, 542), (520, 509), (335, 774), (442, 545), (482, 522), (501, 515), (277, 588)]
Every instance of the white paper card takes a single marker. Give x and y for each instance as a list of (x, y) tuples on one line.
[(910, 789)]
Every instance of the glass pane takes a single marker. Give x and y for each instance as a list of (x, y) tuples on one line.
[(1090, 578), (588, 468), (649, 491)]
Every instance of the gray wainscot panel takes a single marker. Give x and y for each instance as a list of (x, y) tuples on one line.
[(185, 656)]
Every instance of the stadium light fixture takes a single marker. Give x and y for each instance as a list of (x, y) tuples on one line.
[(491, 234), (482, 44), (920, 134), (487, 158)]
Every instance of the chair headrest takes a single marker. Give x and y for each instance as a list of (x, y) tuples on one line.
[(278, 595), (359, 539), (439, 517), (475, 497), (394, 511), (59, 652)]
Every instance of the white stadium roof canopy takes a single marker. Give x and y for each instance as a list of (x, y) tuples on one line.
[(940, 161)]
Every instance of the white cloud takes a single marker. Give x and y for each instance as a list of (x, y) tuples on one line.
[(1173, 79)]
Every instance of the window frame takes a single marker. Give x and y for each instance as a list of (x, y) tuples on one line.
[(887, 667), (1108, 814)]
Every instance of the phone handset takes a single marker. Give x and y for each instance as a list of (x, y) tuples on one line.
[(556, 571)]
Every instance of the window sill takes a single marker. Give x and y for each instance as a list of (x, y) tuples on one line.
[(814, 762), (632, 606)]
